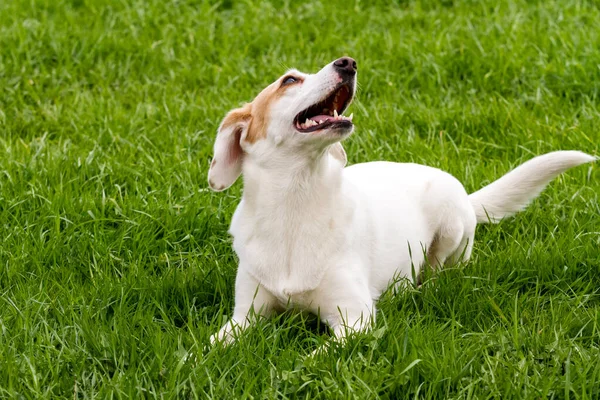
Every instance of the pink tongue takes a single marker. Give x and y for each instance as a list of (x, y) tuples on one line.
[(319, 118)]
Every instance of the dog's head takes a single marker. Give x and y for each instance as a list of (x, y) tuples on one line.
[(298, 114)]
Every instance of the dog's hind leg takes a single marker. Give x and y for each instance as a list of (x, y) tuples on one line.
[(453, 243), (446, 242), (451, 218), (462, 253)]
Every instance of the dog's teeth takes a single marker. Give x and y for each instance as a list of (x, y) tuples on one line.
[(320, 122), (351, 116), (335, 114)]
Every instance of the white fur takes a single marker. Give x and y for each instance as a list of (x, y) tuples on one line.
[(316, 236), (523, 184)]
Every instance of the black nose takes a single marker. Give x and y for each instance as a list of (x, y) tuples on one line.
[(345, 65)]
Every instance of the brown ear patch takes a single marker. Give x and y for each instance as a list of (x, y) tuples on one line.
[(213, 185), (242, 114)]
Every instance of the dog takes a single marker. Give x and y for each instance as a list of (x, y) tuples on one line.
[(315, 235)]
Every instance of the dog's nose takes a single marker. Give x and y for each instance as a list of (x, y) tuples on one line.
[(345, 65)]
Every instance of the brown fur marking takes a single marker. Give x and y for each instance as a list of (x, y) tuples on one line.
[(236, 116), (258, 111)]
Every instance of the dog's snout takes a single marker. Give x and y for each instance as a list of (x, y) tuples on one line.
[(345, 65)]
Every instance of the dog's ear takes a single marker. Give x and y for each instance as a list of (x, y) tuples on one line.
[(337, 151), (226, 165)]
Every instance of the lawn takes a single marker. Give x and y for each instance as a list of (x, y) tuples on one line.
[(116, 265)]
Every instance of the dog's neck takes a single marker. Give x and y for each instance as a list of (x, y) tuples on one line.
[(288, 183), (284, 227)]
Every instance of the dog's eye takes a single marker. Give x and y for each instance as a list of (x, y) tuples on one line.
[(288, 80)]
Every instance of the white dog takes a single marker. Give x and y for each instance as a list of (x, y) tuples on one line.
[(313, 235)]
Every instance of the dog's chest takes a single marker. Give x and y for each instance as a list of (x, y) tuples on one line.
[(286, 268), (288, 257)]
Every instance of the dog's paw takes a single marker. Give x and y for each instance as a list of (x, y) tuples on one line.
[(321, 350), (219, 338), (215, 340), (225, 336)]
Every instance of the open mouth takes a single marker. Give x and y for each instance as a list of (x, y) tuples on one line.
[(327, 113)]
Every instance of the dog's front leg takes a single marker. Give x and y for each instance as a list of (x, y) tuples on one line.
[(345, 302), (251, 300), (346, 307), (350, 318)]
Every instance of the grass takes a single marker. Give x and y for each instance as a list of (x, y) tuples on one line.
[(115, 261)]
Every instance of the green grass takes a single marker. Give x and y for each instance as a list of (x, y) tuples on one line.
[(115, 261)]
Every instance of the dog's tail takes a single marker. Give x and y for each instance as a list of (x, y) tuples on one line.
[(513, 192)]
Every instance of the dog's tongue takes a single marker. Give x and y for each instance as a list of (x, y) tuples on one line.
[(320, 118)]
